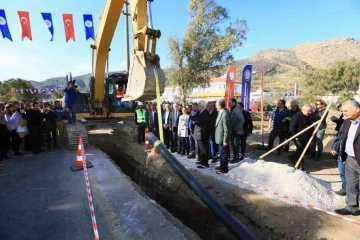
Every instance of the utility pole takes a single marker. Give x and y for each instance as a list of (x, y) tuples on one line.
[(126, 13)]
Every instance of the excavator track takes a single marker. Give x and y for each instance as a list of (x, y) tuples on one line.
[(72, 134)]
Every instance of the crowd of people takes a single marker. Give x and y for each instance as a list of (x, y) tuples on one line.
[(208, 129), (194, 130), (202, 129), (34, 125), (38, 123)]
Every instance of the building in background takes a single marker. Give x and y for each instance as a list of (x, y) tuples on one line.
[(214, 91)]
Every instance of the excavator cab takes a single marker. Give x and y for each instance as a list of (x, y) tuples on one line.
[(112, 82)]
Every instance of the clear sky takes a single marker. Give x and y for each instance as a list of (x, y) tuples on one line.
[(272, 24)]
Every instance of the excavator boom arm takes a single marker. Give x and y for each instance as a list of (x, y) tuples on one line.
[(141, 82)]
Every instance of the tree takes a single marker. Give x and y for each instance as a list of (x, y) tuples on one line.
[(342, 78), (5, 90), (206, 46)]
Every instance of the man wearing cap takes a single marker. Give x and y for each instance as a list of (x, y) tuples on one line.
[(141, 121)]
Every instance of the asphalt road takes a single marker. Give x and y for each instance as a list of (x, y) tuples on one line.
[(41, 198)]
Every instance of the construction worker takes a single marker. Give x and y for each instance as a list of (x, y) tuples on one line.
[(119, 96), (141, 121)]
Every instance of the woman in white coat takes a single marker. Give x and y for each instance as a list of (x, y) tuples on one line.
[(183, 132)]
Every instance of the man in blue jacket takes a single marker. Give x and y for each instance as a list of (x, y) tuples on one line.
[(70, 100)]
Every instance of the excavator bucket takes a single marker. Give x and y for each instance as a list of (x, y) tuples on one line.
[(142, 83)]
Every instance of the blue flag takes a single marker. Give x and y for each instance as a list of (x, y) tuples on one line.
[(4, 28), (89, 26), (246, 86), (49, 24)]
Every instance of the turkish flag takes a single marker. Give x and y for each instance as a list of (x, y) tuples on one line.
[(69, 27), (25, 25)]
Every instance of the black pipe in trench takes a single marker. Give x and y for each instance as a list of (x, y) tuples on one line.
[(223, 215)]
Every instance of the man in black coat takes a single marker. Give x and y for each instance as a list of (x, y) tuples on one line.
[(33, 116), (213, 147), (299, 122), (248, 128), (201, 133), (338, 121), (50, 126), (294, 110), (174, 123)]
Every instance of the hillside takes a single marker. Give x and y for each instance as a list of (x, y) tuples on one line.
[(82, 81), (282, 67)]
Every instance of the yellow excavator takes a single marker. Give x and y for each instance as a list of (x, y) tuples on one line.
[(144, 65)]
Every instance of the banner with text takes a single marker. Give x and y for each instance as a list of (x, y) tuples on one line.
[(246, 86), (230, 85)]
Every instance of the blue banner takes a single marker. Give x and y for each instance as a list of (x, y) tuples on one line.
[(246, 86), (4, 27), (49, 24), (89, 26)]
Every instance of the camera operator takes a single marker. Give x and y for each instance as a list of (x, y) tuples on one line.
[(70, 100)]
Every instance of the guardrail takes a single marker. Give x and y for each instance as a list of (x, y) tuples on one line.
[(223, 215)]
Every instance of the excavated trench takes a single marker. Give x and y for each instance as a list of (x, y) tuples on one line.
[(160, 183)]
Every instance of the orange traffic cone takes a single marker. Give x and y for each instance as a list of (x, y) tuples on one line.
[(80, 158), (147, 143)]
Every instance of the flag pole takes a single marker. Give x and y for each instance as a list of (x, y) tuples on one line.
[(262, 105), (262, 146)]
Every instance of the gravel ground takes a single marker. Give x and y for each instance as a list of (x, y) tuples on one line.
[(277, 177)]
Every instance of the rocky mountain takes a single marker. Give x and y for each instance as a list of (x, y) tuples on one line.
[(281, 67)]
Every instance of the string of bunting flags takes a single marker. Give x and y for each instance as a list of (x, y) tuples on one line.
[(38, 91), (68, 21)]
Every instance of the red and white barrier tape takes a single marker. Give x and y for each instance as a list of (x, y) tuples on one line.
[(88, 189), (289, 199)]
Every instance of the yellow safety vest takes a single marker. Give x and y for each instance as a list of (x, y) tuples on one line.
[(140, 115)]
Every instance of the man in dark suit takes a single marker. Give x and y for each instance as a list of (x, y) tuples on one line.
[(299, 122), (166, 126), (248, 128), (153, 120), (174, 123), (201, 133), (193, 143), (338, 121), (350, 153), (213, 147)]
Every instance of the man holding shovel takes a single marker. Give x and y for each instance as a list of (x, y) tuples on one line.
[(299, 122)]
